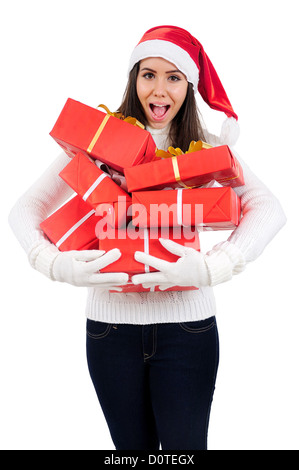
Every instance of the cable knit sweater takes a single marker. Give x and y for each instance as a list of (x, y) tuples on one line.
[(262, 219)]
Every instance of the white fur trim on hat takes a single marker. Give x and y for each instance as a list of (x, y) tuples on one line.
[(168, 51)]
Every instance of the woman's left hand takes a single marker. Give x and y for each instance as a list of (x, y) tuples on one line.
[(192, 268), (189, 270)]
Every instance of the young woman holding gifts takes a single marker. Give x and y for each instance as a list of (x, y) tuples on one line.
[(153, 357)]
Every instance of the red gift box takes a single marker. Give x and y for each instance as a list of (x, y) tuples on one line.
[(130, 240), (130, 287), (187, 170), (73, 226), (115, 142), (214, 208), (98, 189)]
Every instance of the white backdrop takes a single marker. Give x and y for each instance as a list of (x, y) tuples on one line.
[(53, 50)]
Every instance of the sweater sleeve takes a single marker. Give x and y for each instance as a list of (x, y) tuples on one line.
[(38, 202), (262, 218)]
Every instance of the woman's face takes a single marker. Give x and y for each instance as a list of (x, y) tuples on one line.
[(161, 89)]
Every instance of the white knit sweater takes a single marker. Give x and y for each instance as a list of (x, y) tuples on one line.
[(262, 219)]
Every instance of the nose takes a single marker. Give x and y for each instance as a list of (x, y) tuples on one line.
[(160, 88)]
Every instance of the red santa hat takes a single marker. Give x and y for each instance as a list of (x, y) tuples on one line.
[(183, 50)]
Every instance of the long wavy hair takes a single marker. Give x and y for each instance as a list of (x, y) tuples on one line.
[(185, 126)]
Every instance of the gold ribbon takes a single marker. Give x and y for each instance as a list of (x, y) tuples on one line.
[(174, 152), (98, 133), (120, 116), (177, 173)]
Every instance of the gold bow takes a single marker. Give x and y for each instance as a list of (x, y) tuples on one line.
[(174, 153), (128, 119), (193, 147)]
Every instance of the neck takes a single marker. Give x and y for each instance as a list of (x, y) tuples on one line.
[(160, 136), (154, 131)]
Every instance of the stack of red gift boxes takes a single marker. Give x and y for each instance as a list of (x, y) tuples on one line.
[(164, 197)]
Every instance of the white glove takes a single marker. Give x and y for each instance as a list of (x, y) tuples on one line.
[(81, 268), (193, 268)]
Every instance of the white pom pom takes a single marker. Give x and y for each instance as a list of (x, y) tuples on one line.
[(230, 132)]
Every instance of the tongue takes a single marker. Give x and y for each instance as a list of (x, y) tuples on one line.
[(159, 111)]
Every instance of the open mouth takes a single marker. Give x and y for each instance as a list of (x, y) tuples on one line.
[(159, 111)]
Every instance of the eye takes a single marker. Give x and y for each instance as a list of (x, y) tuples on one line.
[(148, 75), (174, 78)]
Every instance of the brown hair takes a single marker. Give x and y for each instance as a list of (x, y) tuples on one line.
[(185, 126)]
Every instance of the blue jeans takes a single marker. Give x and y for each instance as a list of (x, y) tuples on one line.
[(155, 383)]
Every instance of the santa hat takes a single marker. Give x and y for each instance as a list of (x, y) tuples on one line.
[(180, 48)]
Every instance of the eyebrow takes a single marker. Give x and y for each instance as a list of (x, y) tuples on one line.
[(154, 71)]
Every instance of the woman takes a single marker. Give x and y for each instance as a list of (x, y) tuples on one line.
[(153, 357)]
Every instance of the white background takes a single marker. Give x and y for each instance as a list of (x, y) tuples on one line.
[(53, 50)]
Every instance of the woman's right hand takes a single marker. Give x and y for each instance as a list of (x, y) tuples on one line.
[(82, 268)]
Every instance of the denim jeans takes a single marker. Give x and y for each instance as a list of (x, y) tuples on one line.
[(155, 383)]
